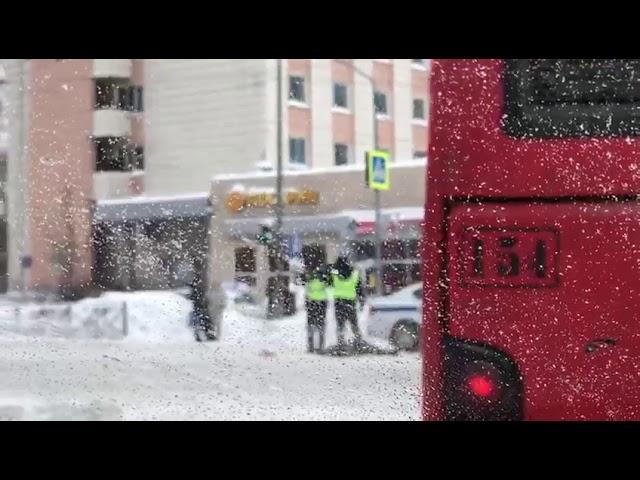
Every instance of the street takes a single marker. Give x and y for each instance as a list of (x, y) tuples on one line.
[(258, 371)]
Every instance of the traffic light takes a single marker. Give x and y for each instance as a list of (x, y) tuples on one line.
[(265, 237)]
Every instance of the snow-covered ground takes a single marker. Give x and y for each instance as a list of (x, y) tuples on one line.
[(259, 370)]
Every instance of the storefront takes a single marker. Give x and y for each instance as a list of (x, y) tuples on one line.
[(327, 213), (149, 242)]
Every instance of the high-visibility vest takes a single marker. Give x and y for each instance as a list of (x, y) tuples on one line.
[(346, 288), (316, 290)]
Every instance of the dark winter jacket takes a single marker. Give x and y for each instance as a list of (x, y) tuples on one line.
[(322, 273)]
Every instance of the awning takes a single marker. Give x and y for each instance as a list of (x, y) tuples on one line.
[(393, 219), (152, 208), (345, 223), (293, 225)]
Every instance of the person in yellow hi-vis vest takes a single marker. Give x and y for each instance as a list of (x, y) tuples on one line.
[(316, 296), (347, 291)]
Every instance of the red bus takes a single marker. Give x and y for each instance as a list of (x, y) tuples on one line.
[(532, 241)]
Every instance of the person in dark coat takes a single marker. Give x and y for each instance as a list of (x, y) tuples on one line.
[(347, 292), (316, 296), (201, 319)]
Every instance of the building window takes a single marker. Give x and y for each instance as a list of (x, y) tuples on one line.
[(363, 250), (245, 260), (3, 235), (297, 151), (135, 99), (113, 154), (341, 154), (296, 89), (112, 93), (419, 63), (340, 98), (117, 93), (418, 109), (248, 280), (3, 180), (380, 103), (412, 249), (276, 260), (138, 158), (393, 250), (123, 101)]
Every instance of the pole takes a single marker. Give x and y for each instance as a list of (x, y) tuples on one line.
[(376, 193), (125, 320), (279, 206), (279, 293), (376, 206)]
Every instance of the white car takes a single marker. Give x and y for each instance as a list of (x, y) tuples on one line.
[(396, 317)]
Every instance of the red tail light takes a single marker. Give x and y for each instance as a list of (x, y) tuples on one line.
[(481, 383), (482, 386)]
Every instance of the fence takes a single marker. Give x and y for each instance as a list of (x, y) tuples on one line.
[(79, 320)]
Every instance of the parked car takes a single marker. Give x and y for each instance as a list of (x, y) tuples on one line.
[(396, 317)]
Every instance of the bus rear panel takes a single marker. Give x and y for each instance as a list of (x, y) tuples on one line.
[(532, 241)]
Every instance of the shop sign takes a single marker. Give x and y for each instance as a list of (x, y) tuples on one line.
[(239, 201)]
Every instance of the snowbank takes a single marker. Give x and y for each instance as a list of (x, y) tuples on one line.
[(155, 316)]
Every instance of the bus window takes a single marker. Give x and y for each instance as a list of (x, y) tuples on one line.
[(572, 98)]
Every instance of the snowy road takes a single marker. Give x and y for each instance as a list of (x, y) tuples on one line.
[(258, 371)]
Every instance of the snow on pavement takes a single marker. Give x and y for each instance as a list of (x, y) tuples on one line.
[(257, 371)]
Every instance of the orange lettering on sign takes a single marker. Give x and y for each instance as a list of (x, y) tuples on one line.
[(237, 201), (292, 197)]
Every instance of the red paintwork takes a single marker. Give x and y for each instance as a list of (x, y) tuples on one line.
[(546, 329)]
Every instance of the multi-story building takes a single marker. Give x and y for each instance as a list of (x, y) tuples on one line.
[(219, 116), (74, 131), (103, 186)]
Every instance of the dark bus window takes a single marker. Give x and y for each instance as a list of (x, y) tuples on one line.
[(554, 98)]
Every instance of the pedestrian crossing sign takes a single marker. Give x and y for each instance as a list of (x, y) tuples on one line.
[(378, 170)]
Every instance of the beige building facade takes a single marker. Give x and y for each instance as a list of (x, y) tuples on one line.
[(327, 213)]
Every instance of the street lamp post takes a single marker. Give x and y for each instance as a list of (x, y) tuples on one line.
[(277, 299), (376, 193), (279, 205)]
